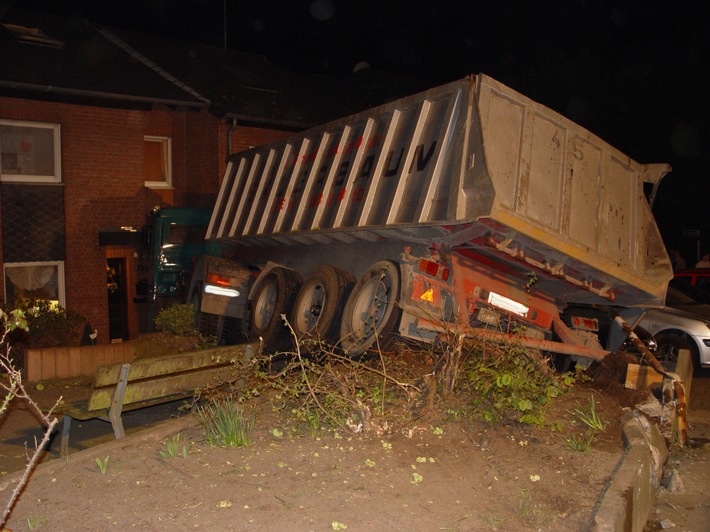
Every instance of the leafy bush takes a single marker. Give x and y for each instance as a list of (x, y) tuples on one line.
[(49, 325), (513, 384), (178, 320)]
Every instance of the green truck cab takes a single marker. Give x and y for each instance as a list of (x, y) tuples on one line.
[(176, 242)]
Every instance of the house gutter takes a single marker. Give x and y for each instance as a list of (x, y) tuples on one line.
[(66, 91), (267, 122)]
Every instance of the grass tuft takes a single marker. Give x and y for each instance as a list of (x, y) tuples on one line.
[(225, 423)]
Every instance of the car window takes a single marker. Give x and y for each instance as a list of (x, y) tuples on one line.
[(674, 297), (703, 282), (681, 292)]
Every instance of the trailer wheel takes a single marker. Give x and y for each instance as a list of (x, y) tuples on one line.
[(318, 309), (273, 298), (372, 312)]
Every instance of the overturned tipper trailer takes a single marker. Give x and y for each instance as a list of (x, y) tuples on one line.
[(468, 206)]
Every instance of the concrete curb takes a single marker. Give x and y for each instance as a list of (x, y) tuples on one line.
[(627, 502)]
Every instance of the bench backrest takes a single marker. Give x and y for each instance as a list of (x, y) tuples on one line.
[(151, 380)]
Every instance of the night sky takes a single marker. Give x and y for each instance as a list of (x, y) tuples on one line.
[(634, 72)]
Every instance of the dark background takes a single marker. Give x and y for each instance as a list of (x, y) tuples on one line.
[(633, 72)]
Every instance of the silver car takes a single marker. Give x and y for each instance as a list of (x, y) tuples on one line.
[(684, 323)]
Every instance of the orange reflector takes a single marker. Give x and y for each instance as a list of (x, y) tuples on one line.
[(427, 296), (221, 280)]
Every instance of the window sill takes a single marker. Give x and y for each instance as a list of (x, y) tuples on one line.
[(29, 180)]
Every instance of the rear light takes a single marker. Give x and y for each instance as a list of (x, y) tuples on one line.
[(585, 324), (221, 280), (434, 269)]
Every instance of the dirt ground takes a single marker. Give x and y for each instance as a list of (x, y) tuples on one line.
[(440, 472)]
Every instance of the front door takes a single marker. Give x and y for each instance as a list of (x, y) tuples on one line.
[(117, 298)]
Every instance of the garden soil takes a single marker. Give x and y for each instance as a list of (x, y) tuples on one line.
[(440, 471)]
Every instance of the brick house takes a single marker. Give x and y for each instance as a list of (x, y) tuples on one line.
[(98, 125)]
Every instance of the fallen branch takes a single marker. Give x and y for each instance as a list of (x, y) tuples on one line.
[(14, 389)]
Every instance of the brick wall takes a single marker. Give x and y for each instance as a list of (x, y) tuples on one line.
[(102, 172), (243, 138), (102, 152), (203, 158)]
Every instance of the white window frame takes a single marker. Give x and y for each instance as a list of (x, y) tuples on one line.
[(61, 296), (23, 178), (167, 144)]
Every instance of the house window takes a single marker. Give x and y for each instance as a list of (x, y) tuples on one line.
[(158, 167), (35, 280), (29, 152)]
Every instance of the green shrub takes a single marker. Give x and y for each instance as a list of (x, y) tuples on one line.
[(178, 320), (514, 384), (49, 325)]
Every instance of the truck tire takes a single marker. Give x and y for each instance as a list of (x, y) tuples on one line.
[(272, 299), (372, 312), (318, 309)]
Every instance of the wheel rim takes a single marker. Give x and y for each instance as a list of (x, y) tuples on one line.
[(371, 310), (308, 315), (668, 352), (264, 307)]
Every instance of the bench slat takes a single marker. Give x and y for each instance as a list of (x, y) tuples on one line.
[(168, 364), (165, 386)]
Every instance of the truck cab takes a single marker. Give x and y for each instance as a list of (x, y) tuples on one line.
[(176, 240)]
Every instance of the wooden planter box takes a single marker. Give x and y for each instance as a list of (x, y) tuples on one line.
[(69, 362)]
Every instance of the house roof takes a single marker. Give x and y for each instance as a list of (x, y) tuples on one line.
[(49, 58), (242, 85), (71, 59)]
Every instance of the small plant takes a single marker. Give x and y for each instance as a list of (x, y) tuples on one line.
[(532, 279), (102, 464), (580, 443), (178, 320), (312, 420), (36, 521), (225, 422), (172, 448), (530, 511), (590, 417), (491, 521)]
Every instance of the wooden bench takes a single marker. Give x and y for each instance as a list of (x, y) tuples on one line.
[(146, 382)]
